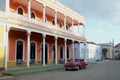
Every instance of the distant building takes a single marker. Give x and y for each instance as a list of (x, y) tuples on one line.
[(93, 52), (117, 51), (107, 50)]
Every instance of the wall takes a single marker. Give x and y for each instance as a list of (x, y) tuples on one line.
[(2, 48)]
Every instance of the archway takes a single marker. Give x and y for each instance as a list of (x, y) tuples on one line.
[(20, 11), (61, 52), (68, 56), (32, 52), (104, 53), (19, 52), (46, 54)]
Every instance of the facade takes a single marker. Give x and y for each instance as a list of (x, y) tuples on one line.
[(93, 52), (80, 51), (107, 50), (37, 32), (117, 51)]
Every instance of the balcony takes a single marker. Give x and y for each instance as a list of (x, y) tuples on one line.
[(38, 25)]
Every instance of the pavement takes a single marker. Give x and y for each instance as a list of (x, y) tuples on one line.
[(11, 73), (107, 70)]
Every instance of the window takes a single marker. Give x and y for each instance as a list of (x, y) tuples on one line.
[(60, 25), (20, 11), (32, 15), (67, 27), (53, 22)]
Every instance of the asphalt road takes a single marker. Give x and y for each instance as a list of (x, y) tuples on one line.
[(108, 70)]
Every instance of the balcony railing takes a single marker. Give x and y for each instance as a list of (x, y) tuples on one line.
[(47, 27)]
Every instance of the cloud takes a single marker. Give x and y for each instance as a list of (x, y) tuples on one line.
[(102, 18), (106, 10)]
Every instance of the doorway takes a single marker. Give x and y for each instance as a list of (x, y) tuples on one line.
[(53, 54), (32, 52), (46, 54), (19, 52)]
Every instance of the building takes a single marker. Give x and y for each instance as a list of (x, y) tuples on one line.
[(37, 32), (107, 50), (93, 52), (117, 51)]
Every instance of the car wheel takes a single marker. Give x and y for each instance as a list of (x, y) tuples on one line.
[(84, 67), (78, 68), (66, 69)]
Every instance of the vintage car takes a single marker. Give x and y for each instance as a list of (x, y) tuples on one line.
[(75, 64)]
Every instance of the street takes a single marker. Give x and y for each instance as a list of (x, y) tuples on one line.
[(107, 70)]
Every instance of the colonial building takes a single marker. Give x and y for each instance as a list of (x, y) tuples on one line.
[(37, 32), (94, 52)]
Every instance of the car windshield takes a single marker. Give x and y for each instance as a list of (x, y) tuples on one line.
[(75, 60)]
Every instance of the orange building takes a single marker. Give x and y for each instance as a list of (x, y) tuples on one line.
[(37, 32)]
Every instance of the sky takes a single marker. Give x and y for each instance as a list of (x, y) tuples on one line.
[(102, 18)]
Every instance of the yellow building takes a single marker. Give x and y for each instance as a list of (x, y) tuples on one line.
[(37, 32)]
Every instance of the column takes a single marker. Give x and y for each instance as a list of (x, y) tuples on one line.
[(7, 7), (65, 50), (28, 48), (55, 18), (7, 29), (72, 24), (65, 22), (44, 35), (56, 50), (78, 29), (44, 12), (79, 51), (29, 9), (73, 49)]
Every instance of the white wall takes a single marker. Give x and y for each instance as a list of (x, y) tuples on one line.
[(94, 52)]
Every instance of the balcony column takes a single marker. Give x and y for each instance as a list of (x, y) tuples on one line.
[(7, 7), (80, 51), (78, 28), (55, 18), (65, 22), (73, 54), (44, 12), (7, 29), (29, 9), (65, 42), (72, 24), (28, 48), (56, 50), (44, 36)]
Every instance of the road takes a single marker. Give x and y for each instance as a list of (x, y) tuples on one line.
[(108, 70)]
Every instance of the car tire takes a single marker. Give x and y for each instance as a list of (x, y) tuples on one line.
[(78, 68), (66, 69)]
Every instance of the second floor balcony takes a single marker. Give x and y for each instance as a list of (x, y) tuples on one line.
[(45, 19)]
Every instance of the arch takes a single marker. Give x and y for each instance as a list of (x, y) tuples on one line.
[(33, 52), (60, 24), (53, 22), (67, 28), (61, 52), (20, 11), (19, 51), (33, 15), (104, 53), (68, 52)]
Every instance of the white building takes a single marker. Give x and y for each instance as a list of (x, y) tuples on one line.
[(93, 52)]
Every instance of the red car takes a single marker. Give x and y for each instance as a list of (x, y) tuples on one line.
[(75, 64)]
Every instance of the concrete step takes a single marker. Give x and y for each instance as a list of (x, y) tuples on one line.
[(38, 69)]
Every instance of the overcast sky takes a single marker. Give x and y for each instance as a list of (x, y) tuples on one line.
[(102, 18)]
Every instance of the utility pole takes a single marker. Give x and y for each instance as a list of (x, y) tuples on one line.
[(113, 48)]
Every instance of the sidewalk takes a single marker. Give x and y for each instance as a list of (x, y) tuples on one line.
[(32, 70)]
